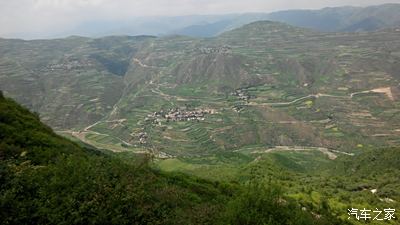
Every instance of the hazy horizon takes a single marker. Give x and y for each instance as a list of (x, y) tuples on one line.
[(33, 19)]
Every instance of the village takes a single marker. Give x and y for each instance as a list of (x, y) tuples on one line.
[(220, 50), (178, 114), (70, 64)]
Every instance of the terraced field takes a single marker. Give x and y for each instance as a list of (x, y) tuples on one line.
[(268, 84)]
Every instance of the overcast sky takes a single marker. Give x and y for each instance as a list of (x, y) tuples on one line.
[(40, 16)]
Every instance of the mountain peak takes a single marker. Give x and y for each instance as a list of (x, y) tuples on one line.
[(264, 28)]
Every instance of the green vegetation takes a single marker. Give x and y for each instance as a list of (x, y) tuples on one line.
[(260, 205), (46, 179)]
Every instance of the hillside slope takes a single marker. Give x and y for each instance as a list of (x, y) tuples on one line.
[(46, 179), (263, 85), (71, 81)]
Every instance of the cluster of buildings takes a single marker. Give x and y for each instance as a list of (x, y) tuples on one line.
[(70, 64), (177, 114), (221, 50), (143, 137), (238, 108), (241, 94)]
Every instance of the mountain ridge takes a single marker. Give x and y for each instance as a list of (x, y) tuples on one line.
[(332, 19)]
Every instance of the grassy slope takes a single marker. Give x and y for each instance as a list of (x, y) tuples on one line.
[(311, 178)]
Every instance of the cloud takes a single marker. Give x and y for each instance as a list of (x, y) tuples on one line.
[(43, 16)]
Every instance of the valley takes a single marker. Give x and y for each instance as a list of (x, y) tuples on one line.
[(285, 95), (267, 101), (199, 112), (288, 97)]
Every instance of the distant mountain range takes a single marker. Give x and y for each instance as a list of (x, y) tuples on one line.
[(342, 18), (347, 19), (339, 19)]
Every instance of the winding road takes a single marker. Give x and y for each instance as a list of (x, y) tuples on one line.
[(386, 90)]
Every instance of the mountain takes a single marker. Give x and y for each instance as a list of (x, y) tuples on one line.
[(61, 71), (153, 25), (265, 84), (144, 25), (219, 25), (333, 19), (342, 18), (336, 19), (205, 30)]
